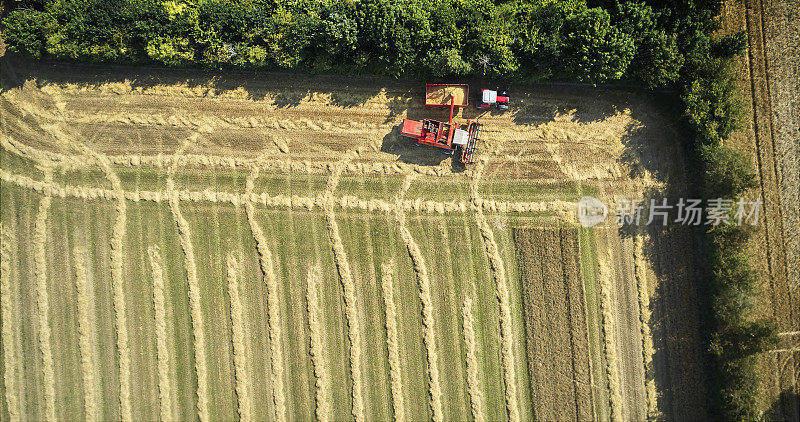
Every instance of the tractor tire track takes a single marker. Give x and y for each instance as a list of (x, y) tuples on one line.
[(392, 342), (8, 281), (498, 269), (273, 303), (429, 334), (84, 299), (162, 349)]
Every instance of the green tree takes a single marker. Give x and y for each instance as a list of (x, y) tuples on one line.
[(712, 104), (730, 45), (594, 50), (447, 61), (336, 37), (24, 31), (171, 51), (288, 36), (744, 340), (390, 35), (658, 60), (729, 172)]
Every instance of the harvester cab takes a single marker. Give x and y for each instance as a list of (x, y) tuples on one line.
[(488, 98), (447, 136)]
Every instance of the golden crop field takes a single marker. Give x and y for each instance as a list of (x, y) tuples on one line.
[(181, 245)]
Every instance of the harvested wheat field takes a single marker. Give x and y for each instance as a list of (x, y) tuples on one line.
[(180, 244)]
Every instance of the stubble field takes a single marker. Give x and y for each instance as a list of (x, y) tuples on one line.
[(180, 244)]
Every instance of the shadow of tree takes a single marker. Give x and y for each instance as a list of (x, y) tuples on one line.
[(284, 89), (678, 306), (397, 106), (530, 105), (675, 253), (786, 408)]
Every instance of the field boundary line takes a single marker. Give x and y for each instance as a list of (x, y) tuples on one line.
[(238, 337), (348, 285), (474, 386), (421, 270), (273, 310), (392, 341), (347, 202), (42, 300), (8, 256), (84, 295), (317, 332), (503, 297), (162, 350)]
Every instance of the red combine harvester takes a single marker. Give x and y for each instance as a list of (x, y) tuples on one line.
[(448, 136)]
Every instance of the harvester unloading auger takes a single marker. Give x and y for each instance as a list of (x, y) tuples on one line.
[(447, 136)]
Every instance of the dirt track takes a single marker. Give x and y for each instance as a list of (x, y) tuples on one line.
[(593, 138)]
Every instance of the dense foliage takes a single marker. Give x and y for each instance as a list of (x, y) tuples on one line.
[(653, 43), (521, 39)]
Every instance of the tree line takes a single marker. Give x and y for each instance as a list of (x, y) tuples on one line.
[(532, 40), (654, 43)]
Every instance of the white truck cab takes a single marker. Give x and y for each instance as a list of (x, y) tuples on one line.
[(492, 97)]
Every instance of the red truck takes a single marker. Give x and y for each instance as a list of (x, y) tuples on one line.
[(489, 97)]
